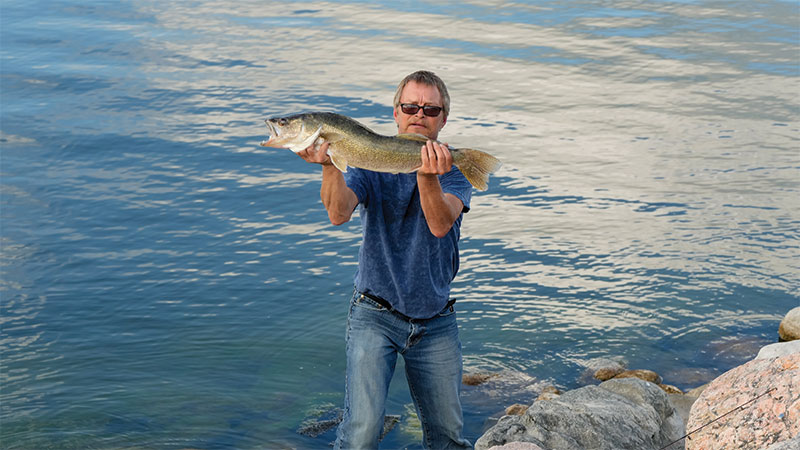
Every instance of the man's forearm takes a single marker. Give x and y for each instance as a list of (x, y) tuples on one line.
[(339, 200), (441, 210)]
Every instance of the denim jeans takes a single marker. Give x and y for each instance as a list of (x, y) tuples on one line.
[(432, 354)]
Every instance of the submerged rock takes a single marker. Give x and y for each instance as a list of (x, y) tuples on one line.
[(321, 422), (476, 379), (642, 374), (789, 329), (324, 421), (503, 388), (753, 405), (602, 369), (617, 414)]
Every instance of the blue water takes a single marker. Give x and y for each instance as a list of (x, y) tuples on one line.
[(168, 283)]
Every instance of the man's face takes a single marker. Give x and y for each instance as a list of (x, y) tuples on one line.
[(422, 95)]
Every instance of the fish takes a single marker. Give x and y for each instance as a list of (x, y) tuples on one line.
[(352, 144)]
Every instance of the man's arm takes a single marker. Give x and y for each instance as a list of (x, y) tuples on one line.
[(440, 209), (340, 201)]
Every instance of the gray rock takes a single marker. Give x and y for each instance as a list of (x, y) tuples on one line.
[(618, 414), (517, 446), (791, 444), (325, 421), (601, 369), (779, 349), (683, 405)]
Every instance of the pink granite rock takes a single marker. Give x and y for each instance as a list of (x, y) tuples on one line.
[(772, 418)]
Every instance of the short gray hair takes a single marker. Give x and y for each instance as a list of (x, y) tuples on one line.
[(429, 79)]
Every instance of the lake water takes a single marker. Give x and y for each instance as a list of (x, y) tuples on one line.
[(168, 283)]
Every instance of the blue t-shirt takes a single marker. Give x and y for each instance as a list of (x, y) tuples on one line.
[(400, 260)]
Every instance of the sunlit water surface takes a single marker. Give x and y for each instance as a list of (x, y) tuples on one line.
[(167, 283)]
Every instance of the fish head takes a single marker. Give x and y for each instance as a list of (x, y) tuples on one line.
[(293, 132)]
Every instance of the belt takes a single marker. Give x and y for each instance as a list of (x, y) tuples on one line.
[(388, 306)]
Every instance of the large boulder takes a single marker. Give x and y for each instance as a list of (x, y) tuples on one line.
[(618, 414), (789, 329), (754, 405)]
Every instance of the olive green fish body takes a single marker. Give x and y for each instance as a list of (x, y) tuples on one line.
[(352, 144)]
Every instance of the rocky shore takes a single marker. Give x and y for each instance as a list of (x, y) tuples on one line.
[(753, 406)]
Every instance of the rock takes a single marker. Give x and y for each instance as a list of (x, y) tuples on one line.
[(603, 366), (751, 420), (516, 409), (696, 376), (791, 444), (789, 329), (548, 393), (731, 351), (321, 421), (550, 389), (502, 388), (617, 414), (607, 373), (670, 389), (642, 374), (683, 404), (779, 349), (517, 446), (547, 396), (324, 421), (697, 391), (475, 379)]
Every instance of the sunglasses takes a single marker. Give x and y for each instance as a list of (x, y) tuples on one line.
[(428, 110)]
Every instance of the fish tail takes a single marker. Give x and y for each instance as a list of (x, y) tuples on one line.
[(476, 167)]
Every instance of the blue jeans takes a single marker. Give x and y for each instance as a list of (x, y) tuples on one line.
[(432, 354)]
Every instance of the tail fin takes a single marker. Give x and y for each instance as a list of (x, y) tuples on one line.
[(476, 166)]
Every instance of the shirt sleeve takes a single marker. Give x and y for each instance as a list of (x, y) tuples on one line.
[(357, 180), (454, 182)]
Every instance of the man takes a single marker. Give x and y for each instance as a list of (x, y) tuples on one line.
[(408, 257)]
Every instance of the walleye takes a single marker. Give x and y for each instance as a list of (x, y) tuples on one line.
[(352, 144)]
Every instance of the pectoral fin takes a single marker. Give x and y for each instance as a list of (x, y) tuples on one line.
[(307, 142), (339, 162)]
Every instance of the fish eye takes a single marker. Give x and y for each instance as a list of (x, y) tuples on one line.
[(282, 122)]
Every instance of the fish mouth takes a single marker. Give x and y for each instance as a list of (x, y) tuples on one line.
[(274, 133)]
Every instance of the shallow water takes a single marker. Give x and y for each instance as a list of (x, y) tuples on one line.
[(167, 283)]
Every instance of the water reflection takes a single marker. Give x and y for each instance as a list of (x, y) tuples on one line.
[(647, 206)]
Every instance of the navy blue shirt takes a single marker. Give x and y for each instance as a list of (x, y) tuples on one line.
[(400, 260)]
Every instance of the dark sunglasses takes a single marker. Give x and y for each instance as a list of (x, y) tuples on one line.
[(428, 110)]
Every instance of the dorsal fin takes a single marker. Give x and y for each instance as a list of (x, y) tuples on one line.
[(414, 137)]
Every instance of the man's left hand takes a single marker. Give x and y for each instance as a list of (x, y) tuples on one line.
[(436, 159)]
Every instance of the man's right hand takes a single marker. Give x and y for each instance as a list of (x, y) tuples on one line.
[(317, 154)]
